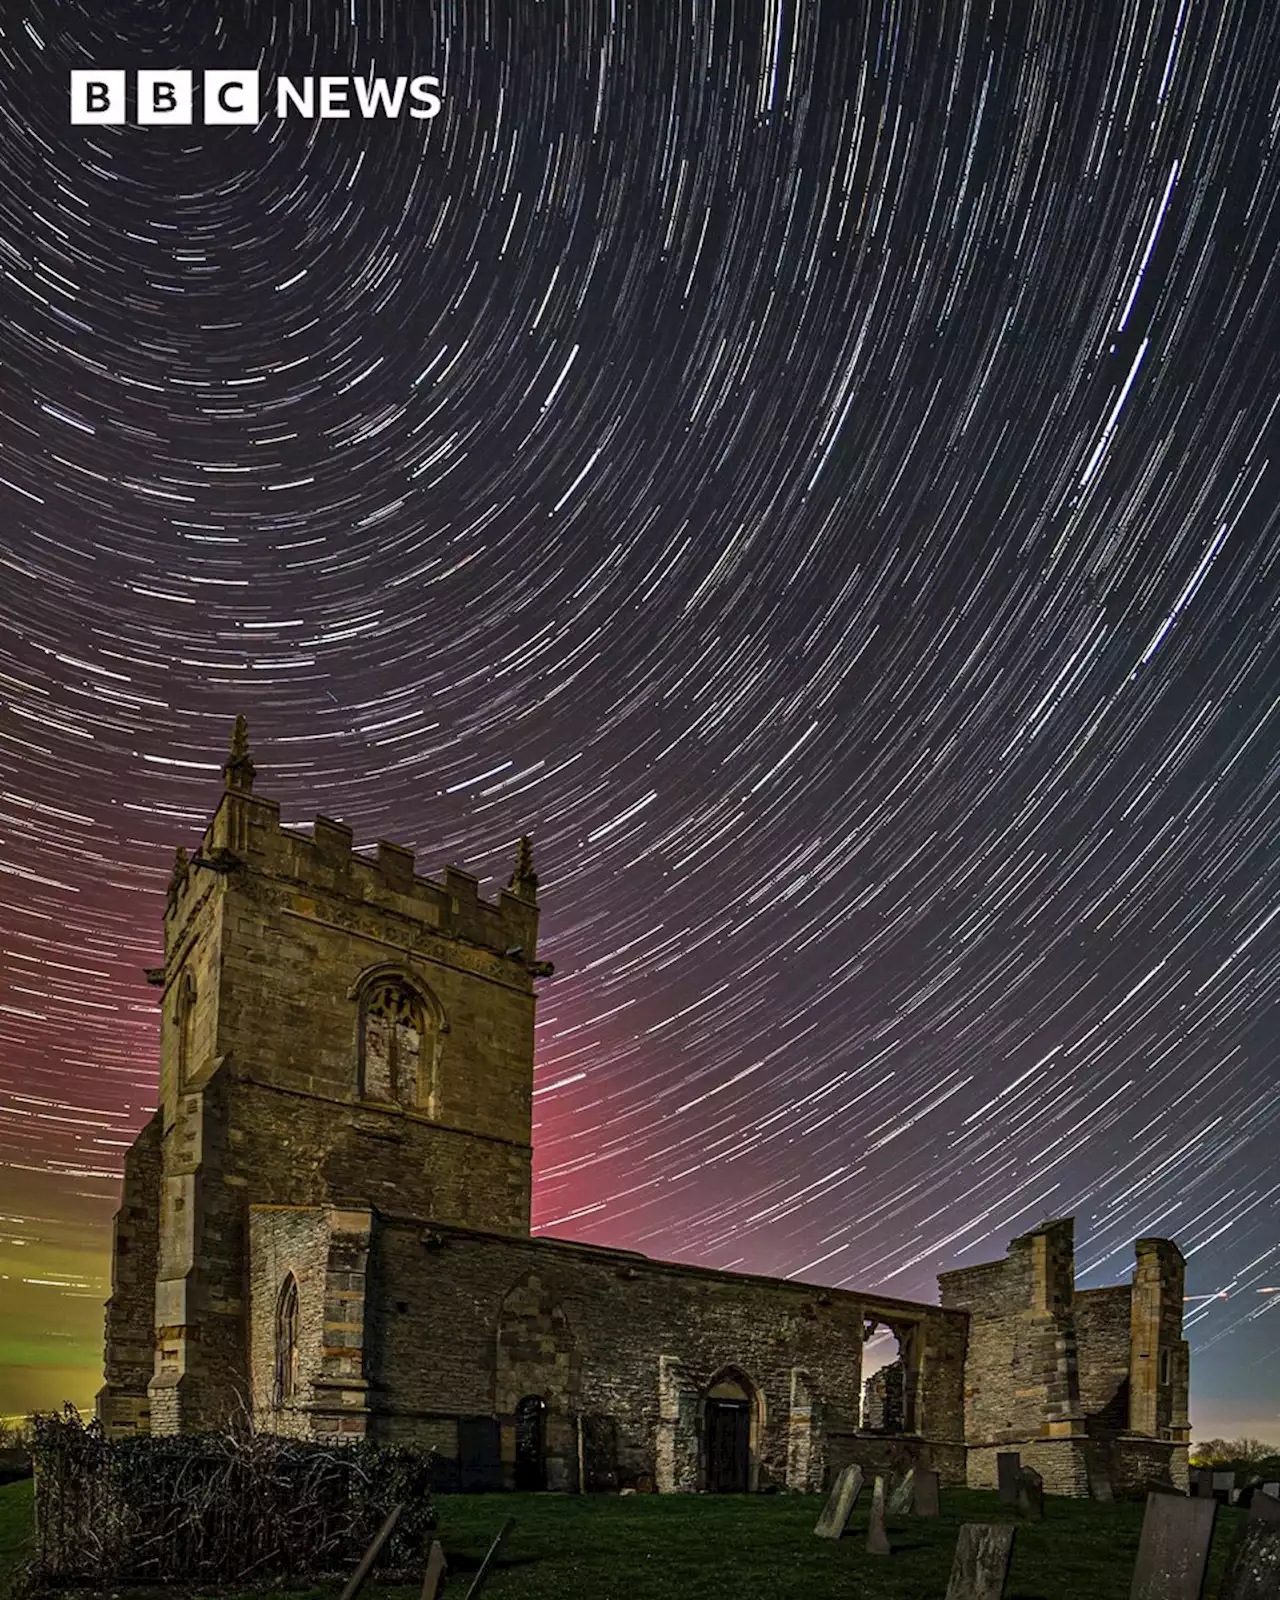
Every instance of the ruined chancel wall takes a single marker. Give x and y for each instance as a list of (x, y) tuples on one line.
[(1080, 1383), (620, 1347)]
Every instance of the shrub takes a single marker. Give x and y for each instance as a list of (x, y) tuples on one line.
[(217, 1507)]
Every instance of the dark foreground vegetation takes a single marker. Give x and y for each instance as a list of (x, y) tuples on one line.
[(669, 1547), (218, 1509)]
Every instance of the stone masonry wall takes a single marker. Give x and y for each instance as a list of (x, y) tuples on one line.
[(201, 1376), (1134, 1462), (889, 1455), (1060, 1462), (882, 1400), (298, 1149), (300, 931), (1065, 1376), (123, 1407), (1158, 1360), (1020, 1371), (284, 1240), (269, 937), (341, 1388), (614, 1335), (1102, 1343)]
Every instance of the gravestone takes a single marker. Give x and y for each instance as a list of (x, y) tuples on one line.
[(1156, 1486), (1174, 1548), (433, 1577), (877, 1538), (840, 1503), (1100, 1488), (1030, 1494), (981, 1563), (1273, 1489), (1264, 1507), (1008, 1463), (1223, 1484), (904, 1495), (1202, 1483), (927, 1496), (1253, 1567)]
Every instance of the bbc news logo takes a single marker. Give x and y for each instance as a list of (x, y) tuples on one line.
[(235, 98)]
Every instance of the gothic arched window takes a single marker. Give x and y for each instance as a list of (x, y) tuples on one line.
[(392, 1029), (184, 1016), (287, 1341)]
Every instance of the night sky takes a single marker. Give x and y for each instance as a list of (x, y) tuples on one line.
[(810, 465)]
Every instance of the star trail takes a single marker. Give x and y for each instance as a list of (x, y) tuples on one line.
[(807, 464)]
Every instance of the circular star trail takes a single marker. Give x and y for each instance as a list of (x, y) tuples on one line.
[(810, 466)]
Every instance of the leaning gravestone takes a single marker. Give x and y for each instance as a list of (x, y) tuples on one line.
[(433, 1577), (1264, 1507), (1253, 1567), (877, 1538), (904, 1495), (840, 1503), (981, 1563), (927, 1497), (1273, 1489), (1030, 1494), (1174, 1549), (1007, 1464)]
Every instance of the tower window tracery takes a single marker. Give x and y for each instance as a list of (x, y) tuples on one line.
[(393, 1025)]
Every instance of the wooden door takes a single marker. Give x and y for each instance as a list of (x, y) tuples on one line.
[(728, 1446)]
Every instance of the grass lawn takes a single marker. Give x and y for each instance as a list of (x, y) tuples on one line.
[(660, 1547), (15, 1528)]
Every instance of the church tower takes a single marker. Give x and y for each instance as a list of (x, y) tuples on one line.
[(335, 1030)]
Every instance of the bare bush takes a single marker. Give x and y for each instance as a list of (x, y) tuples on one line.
[(218, 1507)]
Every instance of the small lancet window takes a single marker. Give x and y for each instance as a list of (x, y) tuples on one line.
[(185, 1021), (391, 1044), (287, 1342)]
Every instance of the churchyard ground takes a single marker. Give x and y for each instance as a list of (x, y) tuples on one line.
[(677, 1547)]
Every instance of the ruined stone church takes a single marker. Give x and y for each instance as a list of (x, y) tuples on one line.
[(325, 1226)]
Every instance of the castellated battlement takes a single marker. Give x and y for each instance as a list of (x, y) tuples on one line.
[(246, 833)]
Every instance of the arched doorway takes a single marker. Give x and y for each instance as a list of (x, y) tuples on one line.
[(727, 1436), (531, 1443)]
